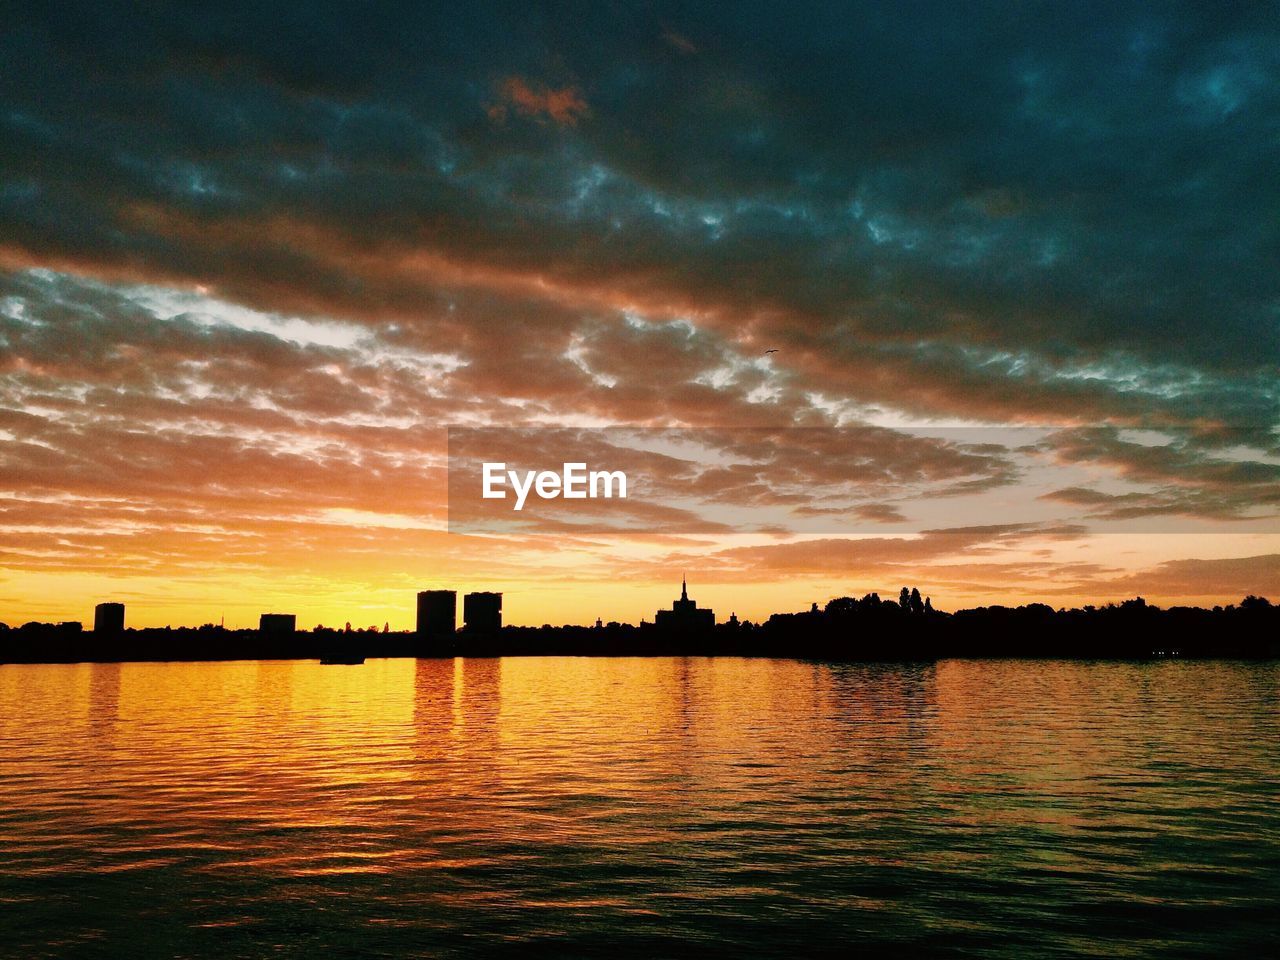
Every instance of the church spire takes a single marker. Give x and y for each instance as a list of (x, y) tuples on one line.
[(684, 588)]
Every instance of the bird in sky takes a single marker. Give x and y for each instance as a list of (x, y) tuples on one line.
[(774, 350)]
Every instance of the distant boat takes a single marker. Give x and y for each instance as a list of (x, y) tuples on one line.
[(351, 658), (341, 651)]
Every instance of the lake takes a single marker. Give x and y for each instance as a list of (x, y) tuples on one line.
[(639, 808)]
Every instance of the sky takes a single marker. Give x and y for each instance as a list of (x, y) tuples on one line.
[(257, 259)]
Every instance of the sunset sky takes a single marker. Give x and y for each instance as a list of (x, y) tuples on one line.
[(257, 259)]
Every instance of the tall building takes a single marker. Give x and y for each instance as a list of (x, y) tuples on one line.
[(685, 614), (437, 613), (278, 624), (108, 618), (482, 612)]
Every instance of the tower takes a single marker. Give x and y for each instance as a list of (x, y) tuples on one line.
[(685, 616), (482, 612), (108, 619), (277, 625), (437, 614)]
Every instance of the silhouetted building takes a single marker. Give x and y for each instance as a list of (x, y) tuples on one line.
[(437, 614), (482, 612), (685, 614), (108, 618), (277, 624)]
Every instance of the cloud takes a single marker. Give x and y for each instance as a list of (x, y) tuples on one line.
[(863, 556), (1194, 580), (880, 513), (766, 179), (564, 106), (1060, 219), (1182, 472), (680, 42)]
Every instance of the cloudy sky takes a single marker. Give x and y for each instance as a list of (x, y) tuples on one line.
[(256, 259)]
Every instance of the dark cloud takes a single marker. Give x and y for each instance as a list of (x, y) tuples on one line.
[(1066, 184)]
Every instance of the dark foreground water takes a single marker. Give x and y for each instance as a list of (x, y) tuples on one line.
[(639, 808)]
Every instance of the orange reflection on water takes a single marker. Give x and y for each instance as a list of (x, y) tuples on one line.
[(564, 787)]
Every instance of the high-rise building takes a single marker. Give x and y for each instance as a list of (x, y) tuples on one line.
[(482, 612), (277, 624), (437, 614), (108, 618), (685, 614)]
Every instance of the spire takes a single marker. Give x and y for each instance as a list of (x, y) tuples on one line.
[(684, 588)]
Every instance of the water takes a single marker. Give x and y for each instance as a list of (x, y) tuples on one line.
[(574, 807)]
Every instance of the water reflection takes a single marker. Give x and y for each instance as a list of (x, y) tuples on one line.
[(434, 708), (988, 809), (104, 701)]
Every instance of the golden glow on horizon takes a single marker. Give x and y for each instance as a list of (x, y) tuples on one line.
[(604, 589)]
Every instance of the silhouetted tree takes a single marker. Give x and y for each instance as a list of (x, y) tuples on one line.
[(841, 607), (917, 605)]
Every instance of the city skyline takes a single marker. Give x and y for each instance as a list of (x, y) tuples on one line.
[(869, 628), (436, 616)]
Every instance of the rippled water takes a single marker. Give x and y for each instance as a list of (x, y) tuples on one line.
[(645, 808)]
